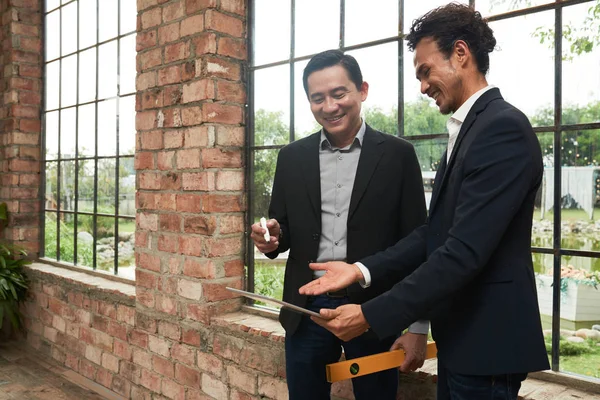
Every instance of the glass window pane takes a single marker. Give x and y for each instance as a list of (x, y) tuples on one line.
[(50, 235), (517, 41), (542, 232), (52, 42), (579, 311), (128, 16), (126, 245), (67, 133), (106, 186), (317, 31), (87, 29), (416, 9), (580, 190), (107, 70), (69, 28), (51, 4), (68, 81), (66, 230), (491, 7), (379, 66), (52, 85), (366, 23), (87, 75), (51, 197), (86, 130), (429, 152), (85, 240), (126, 187), (105, 243), (268, 278), (581, 97), (107, 128), (304, 120), (127, 70), (108, 13), (543, 266), (85, 188), (51, 133), (127, 125), (271, 105), (271, 31), (67, 186), (265, 162)]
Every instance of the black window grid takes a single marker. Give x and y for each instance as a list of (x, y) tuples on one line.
[(557, 128), (77, 159)]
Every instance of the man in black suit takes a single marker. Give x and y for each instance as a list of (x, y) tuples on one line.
[(342, 193), (469, 268)]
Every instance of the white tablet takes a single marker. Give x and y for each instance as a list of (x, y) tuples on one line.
[(284, 304)]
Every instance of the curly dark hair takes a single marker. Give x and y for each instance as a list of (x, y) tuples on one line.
[(453, 22), (329, 58)]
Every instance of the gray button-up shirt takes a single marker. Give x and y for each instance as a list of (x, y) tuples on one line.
[(338, 170)]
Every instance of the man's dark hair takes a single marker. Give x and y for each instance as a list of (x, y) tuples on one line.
[(453, 22), (329, 58)]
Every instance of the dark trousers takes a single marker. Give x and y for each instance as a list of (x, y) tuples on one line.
[(453, 386), (311, 347)]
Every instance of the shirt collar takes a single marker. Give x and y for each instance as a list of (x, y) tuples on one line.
[(358, 138), (460, 114)]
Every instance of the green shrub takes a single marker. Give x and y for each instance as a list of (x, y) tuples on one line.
[(567, 348)]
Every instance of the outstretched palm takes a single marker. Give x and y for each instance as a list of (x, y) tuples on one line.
[(338, 275)]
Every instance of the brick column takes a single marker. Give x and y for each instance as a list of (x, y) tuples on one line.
[(190, 175), (20, 103)]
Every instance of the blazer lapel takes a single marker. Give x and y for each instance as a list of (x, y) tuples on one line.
[(312, 172), (477, 108), (370, 154)]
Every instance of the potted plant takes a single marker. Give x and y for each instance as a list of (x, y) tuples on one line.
[(13, 281)]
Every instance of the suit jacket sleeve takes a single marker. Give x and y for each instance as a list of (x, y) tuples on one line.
[(498, 174), (277, 206)]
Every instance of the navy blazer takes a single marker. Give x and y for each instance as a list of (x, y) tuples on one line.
[(386, 204), (469, 268)]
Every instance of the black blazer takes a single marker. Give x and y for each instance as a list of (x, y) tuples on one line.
[(386, 204), (475, 276)]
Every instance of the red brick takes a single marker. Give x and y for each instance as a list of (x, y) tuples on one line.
[(141, 239), (187, 376), (25, 30), (20, 111), (145, 40), (183, 353), (27, 125), (121, 386), (170, 222), (110, 362), (230, 180), (152, 99), (201, 181), (218, 158), (231, 91), (203, 225), (167, 202), (222, 203), (147, 221), (177, 51), (150, 380), (189, 203), (151, 140), (163, 367), (192, 6), (30, 44), (197, 136), (168, 33), (221, 68), (145, 120), (169, 330), (189, 289), (33, 71), (166, 305), (173, 139), (205, 43), (150, 59), (145, 322), (224, 346), (170, 181), (221, 113), (191, 337), (146, 80), (145, 279), (169, 75), (234, 268), (224, 247), (231, 224), (142, 358), (168, 243), (172, 95), (192, 25), (24, 56), (145, 4), (149, 180), (144, 160), (87, 369), (149, 262), (223, 23), (151, 18), (241, 379), (188, 159), (191, 116), (230, 47), (213, 291), (173, 390), (203, 89), (122, 350), (234, 6), (172, 117), (173, 11), (191, 246)]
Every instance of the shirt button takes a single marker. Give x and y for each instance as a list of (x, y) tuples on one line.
[(337, 214), (336, 242), (340, 157), (315, 236), (339, 185)]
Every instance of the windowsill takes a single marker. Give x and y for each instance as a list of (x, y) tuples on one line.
[(99, 273), (94, 282)]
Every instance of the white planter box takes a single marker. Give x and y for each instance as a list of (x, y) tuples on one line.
[(579, 303)]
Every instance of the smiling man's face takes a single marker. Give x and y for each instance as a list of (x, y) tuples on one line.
[(439, 76), (335, 101)]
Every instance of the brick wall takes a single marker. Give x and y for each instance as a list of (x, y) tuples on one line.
[(20, 100)]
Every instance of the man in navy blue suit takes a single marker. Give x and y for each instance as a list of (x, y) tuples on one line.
[(469, 267)]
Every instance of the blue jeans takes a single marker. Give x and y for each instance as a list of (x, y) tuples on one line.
[(311, 347), (453, 386)]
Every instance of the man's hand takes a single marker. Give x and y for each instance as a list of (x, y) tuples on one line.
[(415, 347), (258, 236), (338, 275), (346, 322)]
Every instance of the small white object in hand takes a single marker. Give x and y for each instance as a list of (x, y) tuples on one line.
[(263, 224)]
